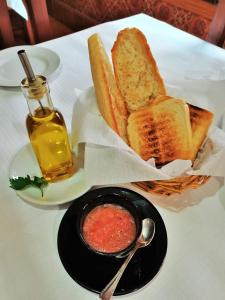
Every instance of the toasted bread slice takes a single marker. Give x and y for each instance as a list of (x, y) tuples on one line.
[(201, 119), (161, 131), (135, 69), (110, 102)]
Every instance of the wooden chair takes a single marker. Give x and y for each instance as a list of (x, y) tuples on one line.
[(37, 26), (216, 33)]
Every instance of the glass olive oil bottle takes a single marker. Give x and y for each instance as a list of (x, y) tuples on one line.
[(47, 131)]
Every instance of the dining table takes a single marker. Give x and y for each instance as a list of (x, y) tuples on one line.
[(30, 266)]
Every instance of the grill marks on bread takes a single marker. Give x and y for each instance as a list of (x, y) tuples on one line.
[(161, 131), (135, 69)]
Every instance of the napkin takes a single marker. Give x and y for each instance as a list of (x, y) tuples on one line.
[(109, 160)]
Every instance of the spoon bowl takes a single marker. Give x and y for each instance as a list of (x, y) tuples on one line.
[(145, 238), (147, 233)]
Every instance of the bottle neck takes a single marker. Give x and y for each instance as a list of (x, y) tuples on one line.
[(38, 97), (40, 108)]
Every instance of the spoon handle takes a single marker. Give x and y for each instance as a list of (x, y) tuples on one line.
[(108, 291)]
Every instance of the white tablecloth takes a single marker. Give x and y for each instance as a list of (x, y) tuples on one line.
[(30, 267)]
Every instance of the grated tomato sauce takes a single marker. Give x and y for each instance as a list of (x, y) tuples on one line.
[(109, 228)]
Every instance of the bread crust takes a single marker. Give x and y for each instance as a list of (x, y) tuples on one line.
[(135, 69), (110, 102), (201, 120)]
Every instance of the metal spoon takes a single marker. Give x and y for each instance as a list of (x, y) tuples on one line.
[(145, 238)]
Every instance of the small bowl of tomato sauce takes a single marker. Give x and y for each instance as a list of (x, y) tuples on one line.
[(109, 223)]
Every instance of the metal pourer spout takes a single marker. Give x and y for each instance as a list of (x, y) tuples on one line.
[(26, 65)]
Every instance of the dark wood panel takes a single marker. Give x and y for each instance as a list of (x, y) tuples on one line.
[(202, 8)]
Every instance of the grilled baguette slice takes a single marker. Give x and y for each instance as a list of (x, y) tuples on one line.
[(135, 69), (110, 102), (161, 131), (201, 119)]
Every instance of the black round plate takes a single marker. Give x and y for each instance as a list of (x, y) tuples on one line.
[(94, 271)]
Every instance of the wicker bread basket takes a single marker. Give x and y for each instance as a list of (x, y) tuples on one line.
[(172, 186), (179, 184)]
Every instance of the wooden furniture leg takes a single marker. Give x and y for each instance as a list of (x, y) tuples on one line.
[(216, 33), (5, 25), (38, 13), (29, 28)]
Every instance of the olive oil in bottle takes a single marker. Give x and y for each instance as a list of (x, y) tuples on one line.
[(47, 130)]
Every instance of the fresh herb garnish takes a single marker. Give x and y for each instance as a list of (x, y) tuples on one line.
[(19, 183)]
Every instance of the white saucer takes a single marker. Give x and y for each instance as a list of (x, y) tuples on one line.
[(43, 61), (25, 163)]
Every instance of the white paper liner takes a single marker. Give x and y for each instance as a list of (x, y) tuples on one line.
[(109, 161)]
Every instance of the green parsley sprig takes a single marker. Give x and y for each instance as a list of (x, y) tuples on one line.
[(19, 183)]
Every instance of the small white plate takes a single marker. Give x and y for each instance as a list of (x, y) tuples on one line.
[(24, 163), (43, 61)]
